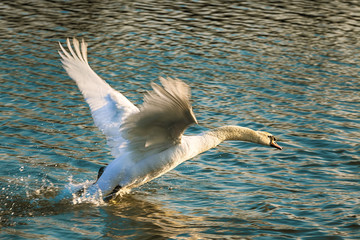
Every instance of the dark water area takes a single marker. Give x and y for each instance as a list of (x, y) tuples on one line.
[(291, 68)]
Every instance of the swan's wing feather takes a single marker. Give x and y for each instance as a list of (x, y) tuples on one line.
[(108, 107), (163, 117)]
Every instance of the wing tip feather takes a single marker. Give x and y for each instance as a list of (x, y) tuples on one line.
[(80, 53)]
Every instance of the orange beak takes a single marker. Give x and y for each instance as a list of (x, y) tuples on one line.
[(275, 145)]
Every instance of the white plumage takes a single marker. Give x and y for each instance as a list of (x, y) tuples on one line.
[(147, 141)]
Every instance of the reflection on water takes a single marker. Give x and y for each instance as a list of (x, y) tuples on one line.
[(289, 68)]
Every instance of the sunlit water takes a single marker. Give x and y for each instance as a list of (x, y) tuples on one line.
[(288, 68)]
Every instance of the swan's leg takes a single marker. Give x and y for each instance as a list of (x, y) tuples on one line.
[(100, 172), (112, 194)]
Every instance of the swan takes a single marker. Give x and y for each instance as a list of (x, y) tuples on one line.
[(146, 141)]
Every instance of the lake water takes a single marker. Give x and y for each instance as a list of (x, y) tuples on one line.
[(291, 69)]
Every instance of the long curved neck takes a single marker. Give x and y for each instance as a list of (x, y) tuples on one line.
[(235, 133), (194, 145)]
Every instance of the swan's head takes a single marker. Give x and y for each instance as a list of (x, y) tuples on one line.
[(267, 139)]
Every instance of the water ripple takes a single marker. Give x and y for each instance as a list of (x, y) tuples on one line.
[(291, 69)]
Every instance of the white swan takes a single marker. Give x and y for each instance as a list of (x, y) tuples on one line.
[(147, 141)]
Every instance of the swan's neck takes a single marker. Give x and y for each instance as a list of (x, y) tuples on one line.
[(201, 143), (235, 133)]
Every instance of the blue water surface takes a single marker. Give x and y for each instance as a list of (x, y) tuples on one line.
[(291, 69)]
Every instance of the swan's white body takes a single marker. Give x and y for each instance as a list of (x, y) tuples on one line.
[(125, 172), (147, 141)]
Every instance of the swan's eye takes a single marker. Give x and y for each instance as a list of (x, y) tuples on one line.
[(272, 138)]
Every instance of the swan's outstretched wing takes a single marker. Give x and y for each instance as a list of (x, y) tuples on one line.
[(163, 117), (108, 107)]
